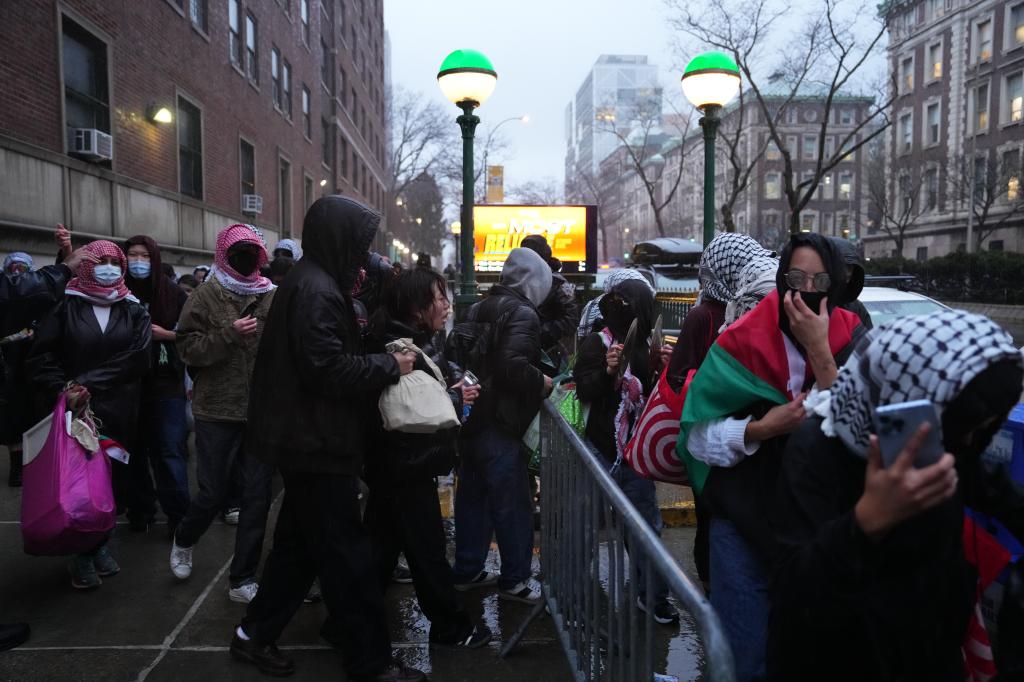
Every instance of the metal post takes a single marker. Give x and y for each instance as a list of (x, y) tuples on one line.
[(467, 293), (709, 123)]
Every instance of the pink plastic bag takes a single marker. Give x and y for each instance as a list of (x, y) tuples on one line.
[(67, 502)]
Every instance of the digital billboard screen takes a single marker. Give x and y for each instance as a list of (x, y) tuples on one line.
[(569, 229)]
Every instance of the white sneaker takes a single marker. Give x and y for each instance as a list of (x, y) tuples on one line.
[(181, 561), (243, 594), (231, 516), (527, 592)]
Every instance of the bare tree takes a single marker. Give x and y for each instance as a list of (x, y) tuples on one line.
[(638, 134), (991, 186), (422, 136), (543, 191), (898, 211), (582, 186), (822, 59)]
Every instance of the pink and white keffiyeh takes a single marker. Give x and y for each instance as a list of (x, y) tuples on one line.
[(85, 285), (236, 283)]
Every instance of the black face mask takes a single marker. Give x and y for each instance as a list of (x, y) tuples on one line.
[(812, 299), (618, 315), (243, 262)]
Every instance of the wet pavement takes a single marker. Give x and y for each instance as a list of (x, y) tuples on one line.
[(142, 624)]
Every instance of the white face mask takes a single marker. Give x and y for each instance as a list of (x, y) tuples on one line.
[(106, 274)]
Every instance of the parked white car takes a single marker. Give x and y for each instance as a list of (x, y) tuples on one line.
[(886, 304)]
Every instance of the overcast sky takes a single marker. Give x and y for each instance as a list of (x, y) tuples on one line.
[(542, 51)]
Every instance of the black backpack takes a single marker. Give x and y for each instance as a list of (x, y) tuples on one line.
[(470, 342)]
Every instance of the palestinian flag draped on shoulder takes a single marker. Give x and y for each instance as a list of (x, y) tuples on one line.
[(751, 361)]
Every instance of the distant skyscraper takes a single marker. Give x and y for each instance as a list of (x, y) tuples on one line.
[(605, 101)]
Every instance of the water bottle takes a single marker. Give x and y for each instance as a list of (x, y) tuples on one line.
[(468, 379)]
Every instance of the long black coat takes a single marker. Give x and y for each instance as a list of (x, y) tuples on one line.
[(513, 385), (313, 387), (111, 364)]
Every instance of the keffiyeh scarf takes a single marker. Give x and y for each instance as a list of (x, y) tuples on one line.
[(85, 285), (756, 280), (631, 403), (925, 357), (722, 262), (592, 310), (236, 283)]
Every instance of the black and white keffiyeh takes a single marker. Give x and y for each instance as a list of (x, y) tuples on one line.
[(924, 357), (723, 260), (756, 280)]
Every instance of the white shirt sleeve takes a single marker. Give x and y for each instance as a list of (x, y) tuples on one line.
[(721, 443)]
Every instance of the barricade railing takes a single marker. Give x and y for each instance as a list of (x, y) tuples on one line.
[(591, 541)]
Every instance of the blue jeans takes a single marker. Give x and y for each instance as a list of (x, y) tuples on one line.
[(739, 594), (493, 498), (165, 436), (640, 491)]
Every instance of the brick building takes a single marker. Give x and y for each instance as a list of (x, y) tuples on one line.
[(272, 103), (958, 66)]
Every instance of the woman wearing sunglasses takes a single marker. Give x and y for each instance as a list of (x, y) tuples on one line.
[(743, 402)]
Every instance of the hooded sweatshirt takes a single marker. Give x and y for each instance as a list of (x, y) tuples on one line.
[(526, 273)]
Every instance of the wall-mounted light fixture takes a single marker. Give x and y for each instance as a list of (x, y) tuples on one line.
[(158, 114)]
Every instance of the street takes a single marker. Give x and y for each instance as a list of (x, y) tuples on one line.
[(144, 625)]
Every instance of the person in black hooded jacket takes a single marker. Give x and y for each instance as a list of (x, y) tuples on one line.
[(854, 280), (403, 512), (559, 311), (311, 394)]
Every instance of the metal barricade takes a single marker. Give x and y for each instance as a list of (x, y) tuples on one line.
[(673, 307), (591, 539)]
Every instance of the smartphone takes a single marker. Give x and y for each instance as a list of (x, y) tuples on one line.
[(895, 424)]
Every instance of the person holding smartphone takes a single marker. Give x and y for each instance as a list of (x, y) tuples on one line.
[(872, 581)]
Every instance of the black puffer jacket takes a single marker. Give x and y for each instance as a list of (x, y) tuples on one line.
[(313, 388), (559, 316), (403, 456), (513, 383), (111, 364)]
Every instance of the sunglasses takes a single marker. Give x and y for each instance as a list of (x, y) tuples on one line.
[(796, 279)]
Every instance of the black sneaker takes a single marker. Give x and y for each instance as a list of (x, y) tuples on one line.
[(395, 672), (482, 579), (266, 657), (479, 636), (664, 612)]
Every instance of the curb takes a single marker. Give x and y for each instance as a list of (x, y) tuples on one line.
[(679, 515)]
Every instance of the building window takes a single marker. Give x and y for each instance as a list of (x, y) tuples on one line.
[(1013, 87), (810, 147), (234, 33), (304, 16), (307, 122), (772, 186), (190, 148), (922, 254), (933, 10), (934, 65), (906, 75), (307, 192), (844, 224), (197, 14), (275, 77), (251, 49), (354, 108), (847, 116), (343, 161), (931, 189), (932, 123), (980, 106), (905, 200), (342, 90), (86, 93), (995, 245), (980, 177), (845, 185), (284, 194), (906, 141), (247, 167), (791, 147), (355, 169), (807, 222), (1015, 26), (286, 88), (325, 127), (827, 187), (1011, 172), (983, 41), (325, 65)]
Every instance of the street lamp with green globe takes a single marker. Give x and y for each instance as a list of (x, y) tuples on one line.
[(467, 78), (710, 81)]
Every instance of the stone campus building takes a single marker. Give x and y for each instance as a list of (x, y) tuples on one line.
[(271, 103), (958, 122)]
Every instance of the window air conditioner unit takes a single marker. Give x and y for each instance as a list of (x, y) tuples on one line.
[(252, 203), (91, 143)]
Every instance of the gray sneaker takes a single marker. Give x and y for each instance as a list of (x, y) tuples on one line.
[(243, 594), (83, 573), (104, 563)]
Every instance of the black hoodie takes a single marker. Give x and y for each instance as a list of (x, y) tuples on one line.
[(312, 385)]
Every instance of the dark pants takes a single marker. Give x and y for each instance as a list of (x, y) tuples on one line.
[(218, 446), (133, 485), (493, 499), (320, 534), (640, 491), (163, 443), (701, 541), (406, 517)]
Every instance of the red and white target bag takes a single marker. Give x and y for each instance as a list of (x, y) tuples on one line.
[(651, 450)]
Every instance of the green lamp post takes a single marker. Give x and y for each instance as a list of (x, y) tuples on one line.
[(710, 81), (467, 78)]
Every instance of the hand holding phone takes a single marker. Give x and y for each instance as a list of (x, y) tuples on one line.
[(895, 425)]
